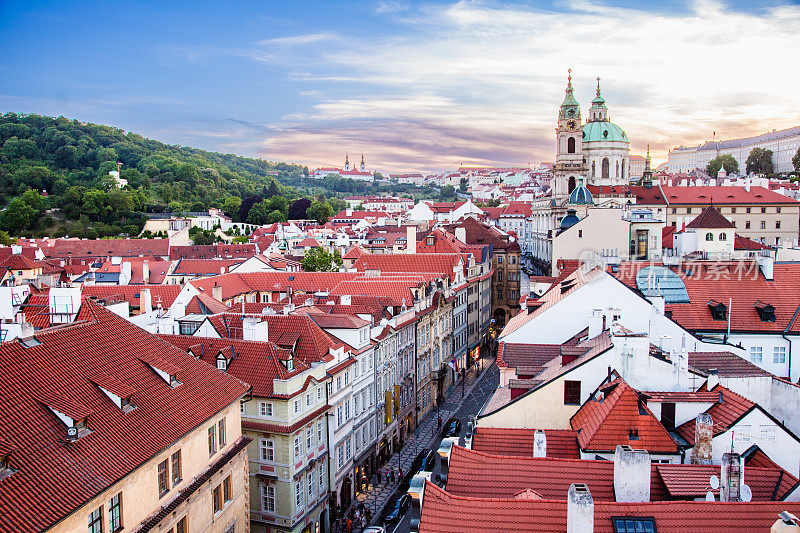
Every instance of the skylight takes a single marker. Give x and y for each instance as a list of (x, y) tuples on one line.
[(661, 281), (634, 525)]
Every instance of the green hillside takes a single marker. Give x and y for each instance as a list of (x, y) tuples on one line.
[(70, 161)]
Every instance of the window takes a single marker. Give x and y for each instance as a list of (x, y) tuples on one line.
[(580, 233), (180, 527), (346, 378), (755, 354), (319, 394), (748, 209), (779, 354), (347, 409), (722, 237), (340, 455), (115, 513), (319, 431), (321, 475), (311, 487), (222, 364), (221, 432), (96, 521), (747, 225), (763, 209), (348, 452), (777, 224), (227, 489), (298, 446), (266, 450), (777, 209), (339, 419), (217, 498), (309, 399), (176, 468), (268, 498), (634, 525), (296, 406), (212, 441), (767, 433), (572, 392), (298, 494), (265, 409), (709, 236), (763, 224), (163, 477), (309, 438), (499, 258)]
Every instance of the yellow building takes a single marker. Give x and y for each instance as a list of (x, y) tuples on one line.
[(109, 429)]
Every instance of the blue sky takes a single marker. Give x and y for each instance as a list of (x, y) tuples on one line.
[(414, 85)]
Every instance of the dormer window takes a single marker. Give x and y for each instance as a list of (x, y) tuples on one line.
[(719, 311), (766, 312), (430, 240), (164, 369), (222, 363)]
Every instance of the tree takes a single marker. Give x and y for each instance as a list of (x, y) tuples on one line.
[(319, 260), (305, 171), (448, 191), (759, 161), (17, 217), (231, 205), (726, 161), (463, 185), (319, 211), (297, 211), (796, 160)]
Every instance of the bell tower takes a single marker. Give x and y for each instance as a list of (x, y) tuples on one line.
[(569, 169)]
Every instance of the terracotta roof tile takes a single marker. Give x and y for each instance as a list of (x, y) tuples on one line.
[(724, 414), (561, 443)]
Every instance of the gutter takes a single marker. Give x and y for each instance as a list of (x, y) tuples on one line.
[(785, 331)]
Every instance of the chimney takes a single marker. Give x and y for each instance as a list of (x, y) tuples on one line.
[(411, 239), (444, 451), (713, 378), (631, 475), (25, 330), (461, 234), (787, 523), (732, 468), (145, 301), (345, 299), (146, 273), (658, 303), (580, 509), (253, 330), (125, 273), (703, 439), (595, 323), (216, 292), (539, 443), (767, 265), (417, 492)]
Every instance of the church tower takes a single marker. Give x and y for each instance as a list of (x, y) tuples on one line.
[(347, 161), (363, 165), (569, 170)]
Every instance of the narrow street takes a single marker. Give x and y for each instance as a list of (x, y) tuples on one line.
[(463, 408)]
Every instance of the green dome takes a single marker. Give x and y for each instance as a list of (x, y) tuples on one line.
[(580, 195), (603, 131)]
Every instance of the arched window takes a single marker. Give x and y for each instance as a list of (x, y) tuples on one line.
[(605, 169), (722, 237), (593, 170), (709, 236), (571, 183), (623, 170), (571, 145), (617, 174)]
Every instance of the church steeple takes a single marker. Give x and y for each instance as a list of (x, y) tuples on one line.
[(346, 161), (570, 103), (363, 165), (598, 112), (647, 175)]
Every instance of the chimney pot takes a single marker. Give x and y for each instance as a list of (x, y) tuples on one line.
[(631, 475), (580, 509), (539, 443)]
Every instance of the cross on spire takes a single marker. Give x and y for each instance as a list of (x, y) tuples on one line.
[(598, 85)]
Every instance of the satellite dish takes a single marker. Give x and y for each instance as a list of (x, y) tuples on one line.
[(710, 496), (745, 493), (714, 482)]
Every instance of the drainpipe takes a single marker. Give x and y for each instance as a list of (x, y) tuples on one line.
[(789, 325)]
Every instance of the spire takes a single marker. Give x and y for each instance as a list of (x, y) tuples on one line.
[(647, 175), (346, 161), (363, 165), (569, 98), (598, 85)]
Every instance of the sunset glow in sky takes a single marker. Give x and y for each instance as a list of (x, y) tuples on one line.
[(414, 85)]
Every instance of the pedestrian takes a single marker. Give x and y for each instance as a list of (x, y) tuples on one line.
[(349, 525), (368, 514), (378, 473), (400, 472), (391, 474)]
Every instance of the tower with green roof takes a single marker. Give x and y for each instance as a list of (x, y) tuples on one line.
[(605, 146), (569, 167)]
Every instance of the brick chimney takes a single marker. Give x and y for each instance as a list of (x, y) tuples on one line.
[(703, 439), (146, 273), (580, 509), (216, 292), (732, 469), (539, 443), (631, 475)]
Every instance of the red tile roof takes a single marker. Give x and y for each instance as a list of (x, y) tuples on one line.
[(561, 443), (724, 414), (727, 364), (255, 363), (101, 248), (720, 195), (204, 267), (740, 281), (166, 294), (204, 304), (682, 396), (235, 284), (744, 243), (767, 484), (210, 251), (444, 512), (331, 321), (433, 263), (20, 262), (604, 424), (36, 310), (710, 218), (533, 355), (354, 252), (52, 479)]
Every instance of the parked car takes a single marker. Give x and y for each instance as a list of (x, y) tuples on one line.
[(397, 505), (452, 428), (429, 462), (373, 529), (423, 462)]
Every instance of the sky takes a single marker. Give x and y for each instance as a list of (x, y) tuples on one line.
[(414, 85)]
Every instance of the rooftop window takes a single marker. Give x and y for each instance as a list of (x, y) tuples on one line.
[(633, 525), (766, 312), (719, 311)]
